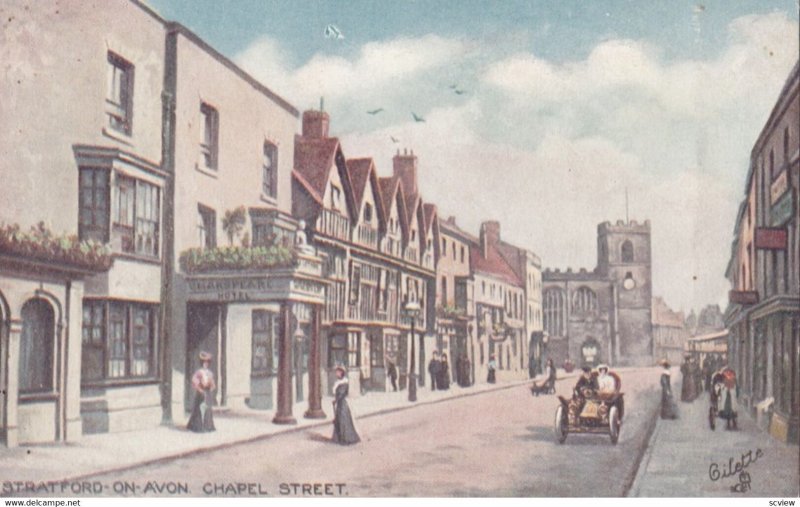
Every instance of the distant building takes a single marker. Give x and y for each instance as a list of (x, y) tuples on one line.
[(455, 296), (499, 308), (669, 332), (763, 314), (603, 316), (709, 320)]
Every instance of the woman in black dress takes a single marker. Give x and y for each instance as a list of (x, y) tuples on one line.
[(443, 382), (344, 431)]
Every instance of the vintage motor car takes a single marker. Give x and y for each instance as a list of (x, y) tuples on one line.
[(601, 413)]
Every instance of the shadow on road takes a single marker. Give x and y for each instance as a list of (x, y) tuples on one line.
[(319, 437), (540, 434)]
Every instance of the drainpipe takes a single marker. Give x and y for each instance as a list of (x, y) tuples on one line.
[(168, 230)]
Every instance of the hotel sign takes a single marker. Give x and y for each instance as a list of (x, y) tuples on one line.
[(229, 288), (770, 238), (782, 210), (743, 297), (276, 286)]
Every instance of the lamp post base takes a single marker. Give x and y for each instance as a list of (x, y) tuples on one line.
[(412, 387)]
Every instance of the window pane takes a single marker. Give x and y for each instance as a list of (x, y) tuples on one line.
[(93, 214), (116, 348)]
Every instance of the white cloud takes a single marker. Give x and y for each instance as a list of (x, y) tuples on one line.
[(548, 148), (378, 64)]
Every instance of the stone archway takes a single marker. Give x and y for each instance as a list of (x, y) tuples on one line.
[(590, 351)]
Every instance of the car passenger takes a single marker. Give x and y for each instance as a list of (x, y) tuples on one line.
[(586, 381)]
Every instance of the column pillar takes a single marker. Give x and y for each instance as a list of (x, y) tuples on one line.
[(284, 412), (314, 374)]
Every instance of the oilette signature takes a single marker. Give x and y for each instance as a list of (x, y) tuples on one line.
[(717, 471)]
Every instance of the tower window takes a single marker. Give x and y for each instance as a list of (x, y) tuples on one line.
[(627, 251)]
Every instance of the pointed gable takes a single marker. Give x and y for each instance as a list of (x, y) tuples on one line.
[(431, 225), (364, 178), (430, 216), (393, 198), (314, 158)]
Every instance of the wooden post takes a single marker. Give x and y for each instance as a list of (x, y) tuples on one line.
[(284, 413), (314, 376)]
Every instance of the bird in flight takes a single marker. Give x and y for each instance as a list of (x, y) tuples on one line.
[(332, 32), (417, 118), (459, 92), (453, 86), (394, 140), (375, 111)]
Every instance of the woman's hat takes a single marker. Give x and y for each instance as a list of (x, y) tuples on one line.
[(341, 369), (205, 356), (664, 362), (602, 367), (586, 368)]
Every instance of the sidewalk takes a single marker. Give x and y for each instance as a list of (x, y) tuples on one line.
[(682, 455), (116, 451)]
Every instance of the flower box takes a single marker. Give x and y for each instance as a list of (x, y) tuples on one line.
[(236, 258), (40, 244)]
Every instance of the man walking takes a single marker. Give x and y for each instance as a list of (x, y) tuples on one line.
[(433, 369)]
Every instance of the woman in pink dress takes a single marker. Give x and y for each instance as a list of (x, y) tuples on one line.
[(202, 418)]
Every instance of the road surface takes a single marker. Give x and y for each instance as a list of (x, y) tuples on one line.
[(498, 443)]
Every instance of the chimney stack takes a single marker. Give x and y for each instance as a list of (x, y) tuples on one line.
[(490, 236), (315, 124), (405, 167)]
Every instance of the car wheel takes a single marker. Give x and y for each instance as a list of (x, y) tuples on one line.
[(561, 425), (613, 425)]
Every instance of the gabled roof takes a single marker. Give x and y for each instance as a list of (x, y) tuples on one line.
[(313, 160), (392, 191), (359, 169), (362, 172), (430, 215), (494, 264), (412, 203)]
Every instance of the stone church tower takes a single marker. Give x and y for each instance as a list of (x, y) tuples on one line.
[(624, 258)]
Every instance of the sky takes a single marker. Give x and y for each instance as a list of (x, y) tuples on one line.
[(562, 107)]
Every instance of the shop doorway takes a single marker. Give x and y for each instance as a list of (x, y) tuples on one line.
[(204, 332)]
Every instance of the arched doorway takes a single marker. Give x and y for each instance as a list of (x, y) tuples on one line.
[(590, 352), (36, 351)]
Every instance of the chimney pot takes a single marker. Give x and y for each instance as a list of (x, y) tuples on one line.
[(315, 124)]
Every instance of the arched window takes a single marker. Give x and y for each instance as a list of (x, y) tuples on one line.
[(555, 314), (36, 347), (584, 300), (627, 251)]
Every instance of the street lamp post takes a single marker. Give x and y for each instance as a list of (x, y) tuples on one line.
[(412, 310)]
